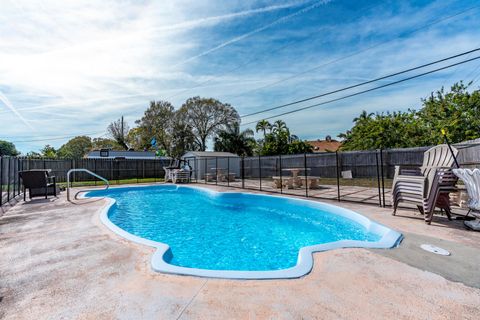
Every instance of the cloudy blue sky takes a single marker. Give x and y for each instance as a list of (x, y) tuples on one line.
[(71, 67)]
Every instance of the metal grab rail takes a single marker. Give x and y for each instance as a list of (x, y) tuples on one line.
[(87, 171)]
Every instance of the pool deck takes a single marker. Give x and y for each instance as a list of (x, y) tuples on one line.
[(58, 261)]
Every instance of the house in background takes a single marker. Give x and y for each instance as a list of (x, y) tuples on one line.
[(122, 154), (327, 145)]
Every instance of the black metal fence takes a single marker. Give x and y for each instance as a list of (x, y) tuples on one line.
[(355, 176), (344, 176), (117, 171), (358, 176)]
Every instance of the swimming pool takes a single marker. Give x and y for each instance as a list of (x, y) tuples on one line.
[(201, 232)]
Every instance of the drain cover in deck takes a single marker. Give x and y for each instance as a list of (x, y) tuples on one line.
[(434, 249)]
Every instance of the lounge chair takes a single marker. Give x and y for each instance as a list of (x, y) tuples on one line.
[(431, 182), (38, 183), (471, 179), (169, 170)]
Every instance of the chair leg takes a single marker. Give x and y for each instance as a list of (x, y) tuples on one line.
[(24, 194), (449, 213), (420, 208)]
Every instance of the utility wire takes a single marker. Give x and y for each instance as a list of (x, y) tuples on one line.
[(357, 52), (60, 138), (368, 90), (360, 84)]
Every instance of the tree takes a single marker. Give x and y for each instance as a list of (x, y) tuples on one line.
[(456, 111), (157, 122), (182, 139), (280, 141), (263, 125), (280, 126), (118, 131), (206, 117), (7, 149), (231, 139), (75, 148), (363, 116), (105, 143), (48, 152), (385, 130)]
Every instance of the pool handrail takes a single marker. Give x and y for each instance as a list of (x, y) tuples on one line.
[(90, 173)]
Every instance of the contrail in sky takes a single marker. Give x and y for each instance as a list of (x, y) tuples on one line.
[(10, 106), (248, 34)]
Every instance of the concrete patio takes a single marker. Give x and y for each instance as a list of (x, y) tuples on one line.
[(60, 262)]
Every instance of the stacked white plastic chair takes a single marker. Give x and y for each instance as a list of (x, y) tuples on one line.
[(428, 186), (471, 179)]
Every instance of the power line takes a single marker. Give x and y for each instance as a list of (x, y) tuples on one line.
[(358, 52), (368, 90), (360, 84), (60, 138)]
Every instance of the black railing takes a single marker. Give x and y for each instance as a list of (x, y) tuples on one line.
[(356, 176), (341, 176), (117, 171)]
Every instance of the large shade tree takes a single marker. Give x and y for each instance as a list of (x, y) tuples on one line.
[(183, 139), (157, 122), (75, 148), (206, 117), (7, 149)]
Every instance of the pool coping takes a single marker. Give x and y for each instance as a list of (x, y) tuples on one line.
[(390, 239)]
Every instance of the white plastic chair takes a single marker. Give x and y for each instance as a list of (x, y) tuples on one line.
[(471, 179)]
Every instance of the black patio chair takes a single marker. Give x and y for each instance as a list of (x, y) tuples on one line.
[(38, 183)]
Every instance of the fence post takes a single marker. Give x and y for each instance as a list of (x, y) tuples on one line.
[(14, 176), (243, 172), (378, 179), (383, 179), (17, 179), (306, 174), (280, 164), (216, 170), (136, 167), (95, 168), (73, 175), (8, 180), (1, 181), (338, 175), (260, 171), (228, 171)]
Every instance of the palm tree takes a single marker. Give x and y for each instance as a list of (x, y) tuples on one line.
[(231, 139), (263, 125), (280, 126), (293, 138), (363, 116)]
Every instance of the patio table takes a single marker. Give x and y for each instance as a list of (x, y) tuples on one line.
[(221, 173), (294, 181)]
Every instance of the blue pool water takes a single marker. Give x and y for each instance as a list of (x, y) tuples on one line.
[(236, 231)]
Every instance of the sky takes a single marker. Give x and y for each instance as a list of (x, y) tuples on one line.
[(70, 68)]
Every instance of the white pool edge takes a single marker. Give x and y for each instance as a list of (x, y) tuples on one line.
[(390, 239)]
